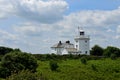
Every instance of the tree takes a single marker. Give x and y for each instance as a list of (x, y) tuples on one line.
[(4, 50), (97, 51), (109, 51), (16, 61)]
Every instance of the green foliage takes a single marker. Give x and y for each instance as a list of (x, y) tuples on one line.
[(22, 65), (72, 69), (46, 57), (97, 51), (26, 75), (111, 50), (53, 65), (113, 56), (84, 60), (5, 50), (94, 67), (4, 72), (16, 61)]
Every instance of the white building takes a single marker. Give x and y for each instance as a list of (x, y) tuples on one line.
[(81, 45), (64, 48)]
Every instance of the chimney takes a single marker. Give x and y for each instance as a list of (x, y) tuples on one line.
[(60, 42), (68, 41)]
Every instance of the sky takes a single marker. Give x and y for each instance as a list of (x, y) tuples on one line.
[(35, 25)]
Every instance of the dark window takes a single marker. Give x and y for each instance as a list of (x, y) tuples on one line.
[(76, 41), (76, 46), (81, 33), (85, 41), (85, 52)]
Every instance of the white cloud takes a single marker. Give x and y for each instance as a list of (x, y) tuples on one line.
[(43, 11), (7, 39), (117, 36), (118, 29), (5, 35), (32, 29), (6, 8), (94, 18)]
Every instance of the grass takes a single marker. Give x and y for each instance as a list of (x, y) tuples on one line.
[(104, 69)]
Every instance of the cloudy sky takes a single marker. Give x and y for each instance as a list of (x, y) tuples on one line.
[(35, 25)]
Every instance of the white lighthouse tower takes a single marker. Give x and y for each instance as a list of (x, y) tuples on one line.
[(82, 42)]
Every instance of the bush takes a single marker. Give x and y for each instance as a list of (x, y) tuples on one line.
[(16, 61), (26, 75), (94, 67), (113, 56), (4, 72), (84, 60), (53, 65)]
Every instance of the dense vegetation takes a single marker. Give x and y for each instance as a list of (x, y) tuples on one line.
[(110, 51), (102, 64), (104, 69)]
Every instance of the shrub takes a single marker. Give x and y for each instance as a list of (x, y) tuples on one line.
[(94, 67), (84, 60), (113, 56), (4, 72), (26, 75), (53, 65), (16, 61)]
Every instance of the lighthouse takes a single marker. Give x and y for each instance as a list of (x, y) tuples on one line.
[(82, 42)]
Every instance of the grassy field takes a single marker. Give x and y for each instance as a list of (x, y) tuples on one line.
[(104, 69)]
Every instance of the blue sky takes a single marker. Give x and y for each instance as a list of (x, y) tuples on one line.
[(35, 25)]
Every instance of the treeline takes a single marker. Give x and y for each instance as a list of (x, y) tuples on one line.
[(96, 52), (48, 57), (109, 51), (5, 50)]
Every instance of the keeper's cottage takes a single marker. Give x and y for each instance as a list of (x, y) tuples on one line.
[(81, 45)]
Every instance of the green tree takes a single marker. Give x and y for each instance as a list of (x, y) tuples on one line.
[(5, 50), (97, 51), (112, 50), (16, 61)]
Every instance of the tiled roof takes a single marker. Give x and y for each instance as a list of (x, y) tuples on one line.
[(60, 45)]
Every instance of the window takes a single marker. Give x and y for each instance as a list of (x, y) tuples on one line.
[(85, 41), (76, 41), (85, 52), (76, 46)]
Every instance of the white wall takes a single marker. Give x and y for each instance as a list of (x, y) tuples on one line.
[(82, 44), (57, 51)]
